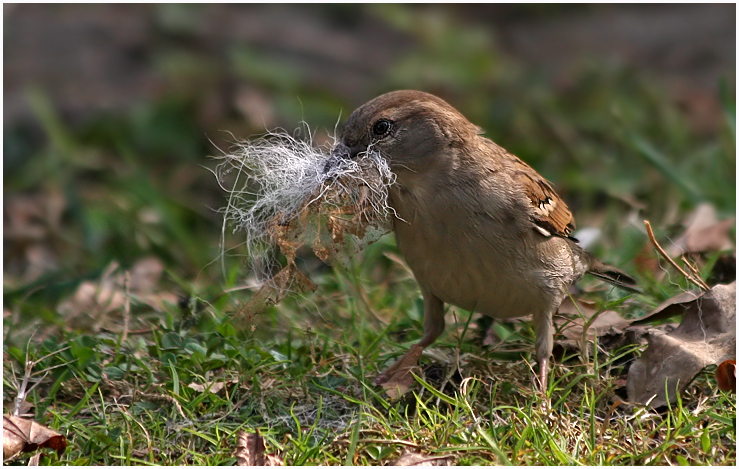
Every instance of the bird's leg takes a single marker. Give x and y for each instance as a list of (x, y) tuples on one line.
[(543, 374), (544, 343), (433, 323)]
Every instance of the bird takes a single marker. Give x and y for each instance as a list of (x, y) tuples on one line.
[(479, 228)]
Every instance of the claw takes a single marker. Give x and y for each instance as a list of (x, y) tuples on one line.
[(398, 379)]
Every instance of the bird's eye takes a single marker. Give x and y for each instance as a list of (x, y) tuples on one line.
[(382, 127)]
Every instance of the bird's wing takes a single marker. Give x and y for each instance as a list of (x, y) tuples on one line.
[(550, 212)]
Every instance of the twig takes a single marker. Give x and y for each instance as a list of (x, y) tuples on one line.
[(141, 425), (381, 441), (695, 272), (146, 330), (697, 281), (23, 390), (388, 442)]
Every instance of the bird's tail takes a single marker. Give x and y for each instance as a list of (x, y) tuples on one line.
[(614, 276)]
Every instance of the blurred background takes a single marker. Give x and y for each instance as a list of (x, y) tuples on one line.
[(111, 112)]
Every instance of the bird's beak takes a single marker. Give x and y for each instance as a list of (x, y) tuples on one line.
[(339, 152), (342, 150)]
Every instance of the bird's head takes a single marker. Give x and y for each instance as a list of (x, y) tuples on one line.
[(414, 131)]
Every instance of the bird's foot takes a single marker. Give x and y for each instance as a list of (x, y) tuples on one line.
[(545, 404), (398, 379), (543, 375)]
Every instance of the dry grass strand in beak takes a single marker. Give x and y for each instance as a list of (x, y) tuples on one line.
[(285, 192)]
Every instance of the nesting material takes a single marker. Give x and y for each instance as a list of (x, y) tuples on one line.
[(285, 193)]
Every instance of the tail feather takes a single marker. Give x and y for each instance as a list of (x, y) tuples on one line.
[(614, 276)]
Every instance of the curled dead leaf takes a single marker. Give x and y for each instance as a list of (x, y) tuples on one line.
[(704, 233), (23, 436), (706, 336), (31, 225), (398, 379), (674, 306), (724, 270), (726, 376), (251, 451), (213, 387), (572, 317), (96, 304)]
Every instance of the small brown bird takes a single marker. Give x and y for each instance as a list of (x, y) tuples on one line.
[(479, 228)]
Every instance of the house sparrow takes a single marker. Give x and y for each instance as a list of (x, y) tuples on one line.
[(479, 228)]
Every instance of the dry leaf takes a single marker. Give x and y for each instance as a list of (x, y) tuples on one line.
[(250, 451), (609, 326), (726, 376), (34, 460), (93, 303), (398, 379), (255, 107), (571, 319), (724, 270), (23, 435), (706, 336), (704, 233), (146, 274), (31, 225), (213, 387), (410, 458), (646, 261), (674, 306)]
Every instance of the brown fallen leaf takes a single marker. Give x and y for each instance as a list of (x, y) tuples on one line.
[(34, 460), (23, 436), (608, 326), (706, 336), (31, 227), (213, 388), (571, 319), (398, 379), (409, 458), (97, 304), (724, 270), (677, 305), (254, 106), (646, 262), (704, 233), (250, 451), (726, 376)]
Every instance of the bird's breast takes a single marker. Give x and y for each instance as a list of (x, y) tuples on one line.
[(479, 257)]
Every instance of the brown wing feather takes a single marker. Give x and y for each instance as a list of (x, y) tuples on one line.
[(550, 211)]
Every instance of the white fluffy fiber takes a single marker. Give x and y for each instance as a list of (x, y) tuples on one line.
[(282, 174)]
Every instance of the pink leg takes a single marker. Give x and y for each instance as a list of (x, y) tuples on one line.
[(433, 323), (544, 344)]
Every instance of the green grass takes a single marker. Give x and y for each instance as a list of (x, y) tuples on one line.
[(303, 379), (133, 185), (308, 391)]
